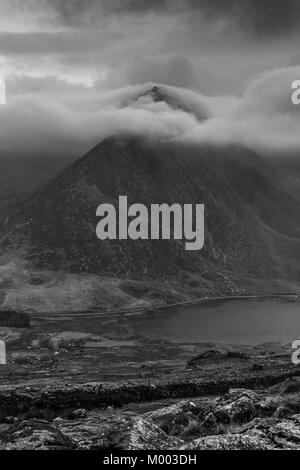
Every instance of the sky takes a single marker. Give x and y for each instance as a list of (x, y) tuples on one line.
[(69, 65)]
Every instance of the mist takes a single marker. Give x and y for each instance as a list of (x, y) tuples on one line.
[(262, 118)]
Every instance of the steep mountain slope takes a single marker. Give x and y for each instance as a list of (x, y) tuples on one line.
[(252, 213), (19, 174)]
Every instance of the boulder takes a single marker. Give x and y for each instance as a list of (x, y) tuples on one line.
[(174, 419), (81, 413)]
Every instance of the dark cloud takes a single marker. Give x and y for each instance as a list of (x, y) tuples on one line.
[(64, 59), (263, 17), (74, 11), (51, 42), (211, 45), (175, 70)]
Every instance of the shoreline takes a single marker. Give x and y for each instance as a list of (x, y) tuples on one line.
[(166, 306)]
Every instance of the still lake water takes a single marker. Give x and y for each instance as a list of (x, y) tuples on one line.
[(237, 322)]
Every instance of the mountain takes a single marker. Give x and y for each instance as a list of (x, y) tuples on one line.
[(251, 208)]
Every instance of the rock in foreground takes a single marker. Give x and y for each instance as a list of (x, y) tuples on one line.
[(260, 434), (240, 420)]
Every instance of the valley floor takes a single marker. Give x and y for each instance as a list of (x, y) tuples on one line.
[(27, 289), (67, 389)]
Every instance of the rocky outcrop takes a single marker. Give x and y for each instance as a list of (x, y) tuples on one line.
[(215, 354), (260, 434), (176, 418), (239, 407), (131, 432), (242, 419), (215, 416), (228, 442), (101, 431), (35, 435), (118, 431)]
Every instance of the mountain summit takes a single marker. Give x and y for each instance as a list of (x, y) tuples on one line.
[(176, 98)]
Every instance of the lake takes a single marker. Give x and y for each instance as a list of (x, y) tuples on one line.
[(233, 322)]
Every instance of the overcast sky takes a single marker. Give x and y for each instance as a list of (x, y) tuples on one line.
[(67, 62)]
